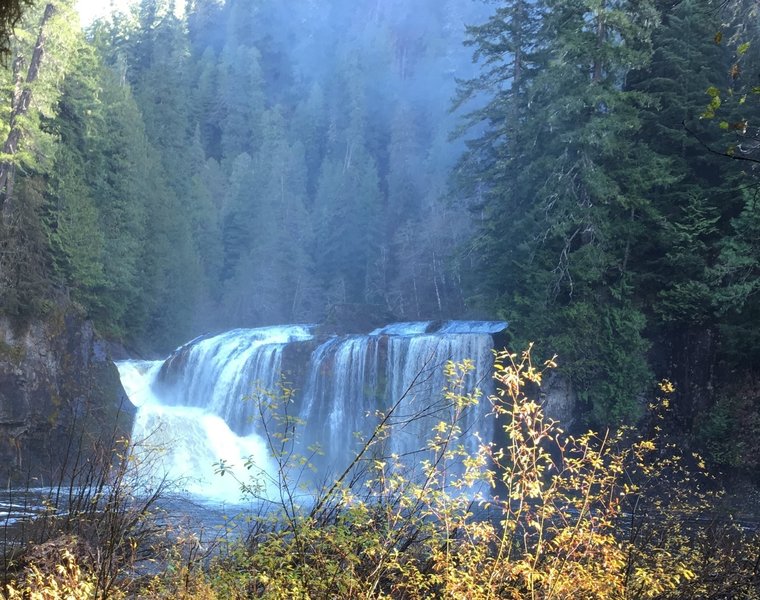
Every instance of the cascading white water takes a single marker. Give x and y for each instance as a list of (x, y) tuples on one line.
[(183, 428), (219, 373), (184, 443), (416, 372), (193, 406)]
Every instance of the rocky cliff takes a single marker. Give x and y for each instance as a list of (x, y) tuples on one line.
[(60, 397)]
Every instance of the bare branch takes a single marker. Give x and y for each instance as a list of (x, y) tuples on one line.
[(717, 152)]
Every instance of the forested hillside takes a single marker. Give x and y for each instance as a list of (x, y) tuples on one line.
[(618, 222), (252, 163)]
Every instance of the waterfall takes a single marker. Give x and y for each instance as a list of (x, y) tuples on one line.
[(416, 371), (198, 407), (218, 374), (182, 444)]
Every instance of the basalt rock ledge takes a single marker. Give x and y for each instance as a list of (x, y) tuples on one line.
[(60, 397)]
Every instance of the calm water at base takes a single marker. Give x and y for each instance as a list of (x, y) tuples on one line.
[(212, 522)]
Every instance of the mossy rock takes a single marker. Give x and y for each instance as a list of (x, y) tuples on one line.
[(11, 353)]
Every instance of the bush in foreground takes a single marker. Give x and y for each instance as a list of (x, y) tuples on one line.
[(542, 515)]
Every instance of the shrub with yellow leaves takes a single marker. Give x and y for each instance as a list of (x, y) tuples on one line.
[(65, 581), (535, 514), (538, 514)]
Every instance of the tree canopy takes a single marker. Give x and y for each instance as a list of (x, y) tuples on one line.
[(10, 14), (253, 163)]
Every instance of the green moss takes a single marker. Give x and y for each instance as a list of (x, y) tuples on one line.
[(13, 354), (56, 319)]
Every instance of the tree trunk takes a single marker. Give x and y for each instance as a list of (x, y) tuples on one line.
[(22, 98), (600, 35)]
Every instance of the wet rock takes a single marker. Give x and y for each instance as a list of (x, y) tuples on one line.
[(60, 395), (559, 400)]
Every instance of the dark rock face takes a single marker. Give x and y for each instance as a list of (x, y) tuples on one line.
[(559, 399), (60, 396)]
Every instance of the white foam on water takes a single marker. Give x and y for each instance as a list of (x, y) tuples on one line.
[(408, 328), (193, 414), (185, 445)]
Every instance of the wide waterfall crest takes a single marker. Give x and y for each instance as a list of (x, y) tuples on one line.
[(407, 328), (200, 403), (220, 371)]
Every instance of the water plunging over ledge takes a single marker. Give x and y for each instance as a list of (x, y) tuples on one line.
[(197, 407)]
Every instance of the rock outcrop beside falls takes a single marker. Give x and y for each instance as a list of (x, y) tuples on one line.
[(58, 386)]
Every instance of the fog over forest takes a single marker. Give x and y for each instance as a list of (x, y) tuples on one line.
[(584, 172), (304, 155), (349, 207)]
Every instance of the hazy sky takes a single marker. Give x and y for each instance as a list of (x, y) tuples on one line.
[(89, 10)]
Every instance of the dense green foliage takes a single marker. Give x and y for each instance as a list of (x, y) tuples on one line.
[(251, 163), (10, 13), (612, 229), (566, 213), (241, 165)]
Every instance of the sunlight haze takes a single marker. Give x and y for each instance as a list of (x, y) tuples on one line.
[(89, 10)]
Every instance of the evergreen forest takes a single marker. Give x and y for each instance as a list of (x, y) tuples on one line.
[(586, 170), (240, 166)]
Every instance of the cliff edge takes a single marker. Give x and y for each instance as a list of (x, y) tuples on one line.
[(60, 397)]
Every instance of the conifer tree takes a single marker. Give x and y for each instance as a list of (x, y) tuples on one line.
[(241, 98), (73, 218), (42, 53), (158, 88), (566, 189), (117, 177), (270, 275), (205, 104), (346, 206)]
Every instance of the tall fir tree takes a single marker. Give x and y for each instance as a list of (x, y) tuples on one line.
[(42, 54), (564, 190)]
